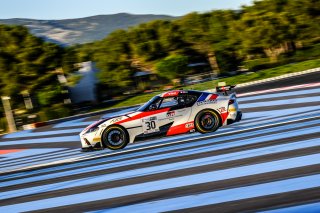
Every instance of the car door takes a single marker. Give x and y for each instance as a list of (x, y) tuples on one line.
[(181, 111), (154, 118)]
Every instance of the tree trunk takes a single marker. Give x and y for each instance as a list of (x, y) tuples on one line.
[(214, 63)]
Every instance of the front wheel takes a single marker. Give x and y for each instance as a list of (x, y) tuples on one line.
[(207, 121), (115, 137)]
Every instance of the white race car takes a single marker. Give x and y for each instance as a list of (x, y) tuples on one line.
[(170, 113)]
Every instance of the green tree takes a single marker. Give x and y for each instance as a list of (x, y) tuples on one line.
[(172, 67)]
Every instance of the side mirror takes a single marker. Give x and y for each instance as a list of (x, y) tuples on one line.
[(153, 107)]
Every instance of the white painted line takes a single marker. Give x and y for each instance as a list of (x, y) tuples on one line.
[(304, 183), (279, 89), (161, 168), (280, 77)]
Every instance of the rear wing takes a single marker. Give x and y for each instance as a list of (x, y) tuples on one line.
[(225, 90)]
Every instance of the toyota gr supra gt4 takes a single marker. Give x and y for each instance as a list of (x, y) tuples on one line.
[(170, 113)]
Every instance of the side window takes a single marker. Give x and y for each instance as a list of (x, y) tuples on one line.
[(154, 105), (169, 102), (190, 100)]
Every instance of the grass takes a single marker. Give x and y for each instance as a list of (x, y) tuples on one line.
[(243, 78), (263, 74)]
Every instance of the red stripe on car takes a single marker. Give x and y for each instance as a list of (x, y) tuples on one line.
[(181, 128), (224, 116), (213, 97), (143, 114), (171, 93)]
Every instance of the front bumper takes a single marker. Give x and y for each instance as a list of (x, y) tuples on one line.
[(237, 118), (96, 146)]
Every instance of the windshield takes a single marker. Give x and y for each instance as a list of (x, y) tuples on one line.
[(145, 106)]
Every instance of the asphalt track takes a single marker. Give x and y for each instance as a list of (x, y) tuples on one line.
[(270, 161)]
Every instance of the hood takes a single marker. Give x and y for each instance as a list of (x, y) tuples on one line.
[(124, 112)]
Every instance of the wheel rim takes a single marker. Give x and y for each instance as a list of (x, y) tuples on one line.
[(207, 121), (115, 137)]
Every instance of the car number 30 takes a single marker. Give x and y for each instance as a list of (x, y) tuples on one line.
[(149, 126)]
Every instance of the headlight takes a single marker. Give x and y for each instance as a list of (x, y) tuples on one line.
[(93, 129)]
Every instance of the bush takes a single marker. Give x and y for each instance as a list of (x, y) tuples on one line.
[(3, 125), (54, 112)]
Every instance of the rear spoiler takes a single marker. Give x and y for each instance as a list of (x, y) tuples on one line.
[(225, 90)]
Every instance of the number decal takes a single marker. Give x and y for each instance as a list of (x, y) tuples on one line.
[(149, 125)]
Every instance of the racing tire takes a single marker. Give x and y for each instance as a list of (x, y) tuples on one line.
[(207, 121), (115, 137)]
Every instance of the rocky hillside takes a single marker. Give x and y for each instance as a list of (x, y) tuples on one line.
[(81, 30)]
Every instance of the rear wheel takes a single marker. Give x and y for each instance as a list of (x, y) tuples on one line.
[(115, 137), (207, 121)]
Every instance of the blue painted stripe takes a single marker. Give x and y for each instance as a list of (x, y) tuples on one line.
[(190, 201), (91, 165), (282, 94), (307, 208), (62, 139), (203, 97), (44, 133), (223, 196), (161, 168), (280, 102)]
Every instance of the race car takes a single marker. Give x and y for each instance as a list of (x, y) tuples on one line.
[(170, 113)]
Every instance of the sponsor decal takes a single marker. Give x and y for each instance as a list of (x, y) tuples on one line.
[(171, 113), (189, 125), (206, 102), (222, 109), (232, 109), (154, 118), (174, 93), (115, 120)]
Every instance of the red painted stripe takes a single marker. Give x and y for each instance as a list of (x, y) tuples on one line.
[(181, 128), (213, 97), (224, 116), (143, 114), (7, 151), (173, 93)]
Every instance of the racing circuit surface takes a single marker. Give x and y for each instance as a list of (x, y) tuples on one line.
[(270, 161)]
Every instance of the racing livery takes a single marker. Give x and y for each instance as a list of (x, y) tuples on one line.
[(170, 113)]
